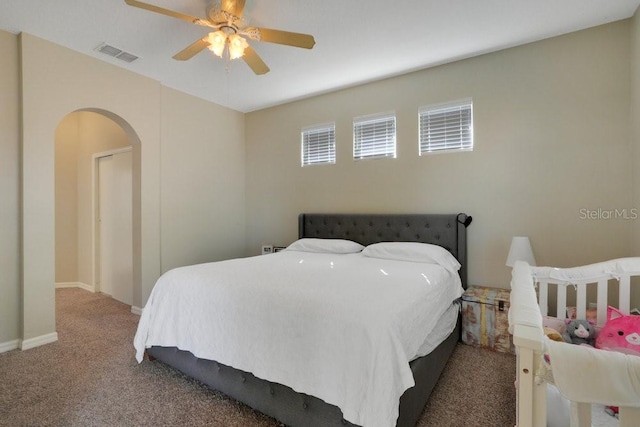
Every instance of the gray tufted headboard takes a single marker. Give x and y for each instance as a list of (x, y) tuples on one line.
[(446, 230)]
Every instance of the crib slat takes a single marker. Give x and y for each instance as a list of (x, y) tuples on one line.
[(540, 402), (525, 387), (580, 414), (581, 301), (561, 312), (602, 302), (625, 294), (543, 290)]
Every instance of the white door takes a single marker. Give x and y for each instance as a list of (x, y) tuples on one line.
[(115, 219)]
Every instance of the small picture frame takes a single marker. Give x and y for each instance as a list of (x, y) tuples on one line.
[(267, 249)]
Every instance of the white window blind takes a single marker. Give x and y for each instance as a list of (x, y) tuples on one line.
[(374, 136), (446, 127), (319, 145)]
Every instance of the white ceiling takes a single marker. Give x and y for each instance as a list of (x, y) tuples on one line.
[(356, 40)]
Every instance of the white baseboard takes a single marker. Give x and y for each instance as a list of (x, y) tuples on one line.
[(9, 345), (38, 341), (80, 285), (90, 288), (136, 310)]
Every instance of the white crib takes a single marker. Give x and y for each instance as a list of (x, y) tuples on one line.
[(526, 324)]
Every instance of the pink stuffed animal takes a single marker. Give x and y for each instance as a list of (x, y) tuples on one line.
[(621, 333)]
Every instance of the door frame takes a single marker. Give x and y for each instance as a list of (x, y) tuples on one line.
[(95, 231)]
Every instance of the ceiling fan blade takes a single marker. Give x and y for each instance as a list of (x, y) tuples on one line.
[(285, 37), (167, 12), (191, 50), (234, 7), (254, 61)]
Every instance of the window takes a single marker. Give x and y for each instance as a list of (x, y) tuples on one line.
[(374, 136), (319, 145), (446, 127)]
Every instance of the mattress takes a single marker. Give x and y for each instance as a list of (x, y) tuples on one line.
[(341, 327)]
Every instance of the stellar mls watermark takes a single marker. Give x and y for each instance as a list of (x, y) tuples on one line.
[(608, 214)]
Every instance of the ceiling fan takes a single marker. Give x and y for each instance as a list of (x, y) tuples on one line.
[(228, 33)]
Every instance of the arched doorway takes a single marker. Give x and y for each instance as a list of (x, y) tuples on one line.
[(38, 223), (85, 140)]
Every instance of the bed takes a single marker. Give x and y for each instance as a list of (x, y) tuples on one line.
[(280, 399), (548, 372)]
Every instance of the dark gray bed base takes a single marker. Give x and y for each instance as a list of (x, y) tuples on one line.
[(297, 409)]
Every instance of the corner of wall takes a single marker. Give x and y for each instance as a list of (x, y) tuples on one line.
[(635, 123), (10, 185)]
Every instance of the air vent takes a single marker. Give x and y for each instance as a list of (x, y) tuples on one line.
[(116, 53)]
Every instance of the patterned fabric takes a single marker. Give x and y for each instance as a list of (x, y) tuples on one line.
[(484, 318)]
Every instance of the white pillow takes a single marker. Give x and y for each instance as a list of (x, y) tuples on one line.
[(413, 252), (330, 246)]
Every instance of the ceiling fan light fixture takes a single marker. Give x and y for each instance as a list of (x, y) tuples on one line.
[(225, 18), (237, 45), (217, 42)]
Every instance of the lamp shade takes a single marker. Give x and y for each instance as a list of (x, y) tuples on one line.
[(520, 250), (237, 45), (217, 42)]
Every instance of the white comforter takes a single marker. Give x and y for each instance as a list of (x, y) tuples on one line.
[(338, 327)]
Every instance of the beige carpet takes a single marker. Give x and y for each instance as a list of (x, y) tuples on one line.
[(90, 378)]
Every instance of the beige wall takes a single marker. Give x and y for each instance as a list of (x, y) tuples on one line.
[(76, 82), (9, 189), (66, 200), (79, 136), (552, 137), (202, 181)]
